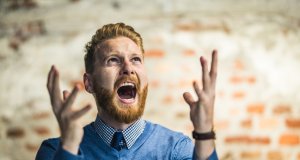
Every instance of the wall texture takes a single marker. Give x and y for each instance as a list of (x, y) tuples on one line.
[(257, 112)]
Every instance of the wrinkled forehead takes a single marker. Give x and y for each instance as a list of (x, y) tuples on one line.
[(119, 45)]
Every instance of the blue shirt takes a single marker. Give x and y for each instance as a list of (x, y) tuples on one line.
[(155, 142)]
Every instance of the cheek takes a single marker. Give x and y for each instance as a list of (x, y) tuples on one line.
[(105, 80), (143, 78)]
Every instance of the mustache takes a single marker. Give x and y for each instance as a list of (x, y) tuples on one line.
[(132, 79)]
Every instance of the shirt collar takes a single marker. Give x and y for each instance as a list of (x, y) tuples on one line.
[(131, 134)]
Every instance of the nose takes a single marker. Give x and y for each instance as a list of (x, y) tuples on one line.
[(127, 69)]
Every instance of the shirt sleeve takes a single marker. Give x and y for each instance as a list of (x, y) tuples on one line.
[(52, 150), (185, 150), (213, 156)]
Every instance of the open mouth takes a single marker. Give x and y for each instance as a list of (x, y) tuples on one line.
[(127, 92)]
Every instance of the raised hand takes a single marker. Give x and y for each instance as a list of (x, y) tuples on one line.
[(71, 129), (202, 109)]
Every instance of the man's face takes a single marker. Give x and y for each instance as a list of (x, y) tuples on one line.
[(119, 79)]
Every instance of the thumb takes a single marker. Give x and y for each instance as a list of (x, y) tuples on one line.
[(188, 98), (66, 94)]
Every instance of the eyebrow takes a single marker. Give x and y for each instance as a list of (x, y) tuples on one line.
[(116, 53), (136, 54)]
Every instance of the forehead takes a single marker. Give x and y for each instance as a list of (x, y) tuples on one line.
[(119, 45)]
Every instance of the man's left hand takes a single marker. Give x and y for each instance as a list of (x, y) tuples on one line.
[(202, 109)]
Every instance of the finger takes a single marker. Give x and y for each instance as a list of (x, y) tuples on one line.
[(56, 94), (198, 91), (213, 67), (188, 98), (205, 76), (50, 79), (69, 101), (66, 94), (81, 112)]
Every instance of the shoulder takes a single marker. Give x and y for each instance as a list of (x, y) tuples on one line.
[(176, 143), (47, 149), (51, 143), (164, 132)]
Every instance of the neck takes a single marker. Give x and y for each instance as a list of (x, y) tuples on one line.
[(112, 122)]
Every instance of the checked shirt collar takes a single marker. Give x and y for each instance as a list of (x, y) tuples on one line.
[(131, 134)]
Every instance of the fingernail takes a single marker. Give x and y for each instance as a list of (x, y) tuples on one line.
[(194, 83), (77, 86), (202, 59)]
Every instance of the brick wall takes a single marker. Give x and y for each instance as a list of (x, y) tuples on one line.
[(257, 112)]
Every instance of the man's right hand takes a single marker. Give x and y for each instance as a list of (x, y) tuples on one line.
[(71, 129)]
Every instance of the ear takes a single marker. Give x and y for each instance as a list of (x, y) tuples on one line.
[(88, 82)]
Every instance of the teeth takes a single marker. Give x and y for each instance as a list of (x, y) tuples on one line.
[(127, 84)]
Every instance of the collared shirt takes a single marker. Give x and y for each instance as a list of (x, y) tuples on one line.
[(131, 134)]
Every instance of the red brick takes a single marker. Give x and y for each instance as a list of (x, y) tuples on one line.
[(289, 139), (260, 140), (31, 147), (181, 115), (237, 139), (250, 155), (41, 115), (189, 53), (191, 26), (236, 80), (257, 108), (197, 26), (221, 124), (15, 132), (167, 99), (155, 53), (42, 131), (238, 94), (282, 109), (14, 43), (248, 140), (251, 79), (247, 123), (5, 119), (239, 65), (275, 155), (155, 84), (292, 123)]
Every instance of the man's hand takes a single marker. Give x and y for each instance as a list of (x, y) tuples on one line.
[(202, 109), (71, 130)]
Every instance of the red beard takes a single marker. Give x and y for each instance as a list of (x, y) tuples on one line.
[(108, 102)]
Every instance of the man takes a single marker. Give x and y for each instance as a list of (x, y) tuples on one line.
[(115, 76)]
